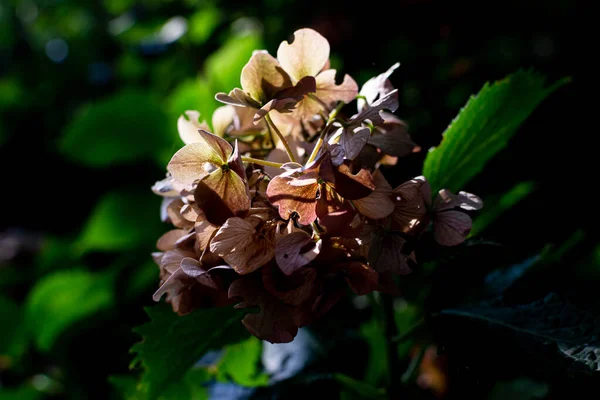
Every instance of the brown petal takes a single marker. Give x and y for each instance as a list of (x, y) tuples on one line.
[(275, 320), (188, 126), (450, 228), (168, 240), (262, 77), (189, 163), (171, 261), (378, 204), (291, 289), (218, 278), (204, 232), (221, 195), (335, 213), (352, 186), (329, 93), (294, 195), (238, 243), (295, 250), (305, 56), (175, 216)]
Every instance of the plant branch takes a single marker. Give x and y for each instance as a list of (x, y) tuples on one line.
[(288, 150), (261, 162)]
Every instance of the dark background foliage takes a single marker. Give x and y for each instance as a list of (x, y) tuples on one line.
[(59, 164)]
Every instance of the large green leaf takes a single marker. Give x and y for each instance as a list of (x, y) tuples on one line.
[(122, 220), (124, 128), (241, 363), (574, 332), (61, 299), (483, 128), (172, 344)]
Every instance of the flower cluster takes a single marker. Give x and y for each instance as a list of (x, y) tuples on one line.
[(282, 206)]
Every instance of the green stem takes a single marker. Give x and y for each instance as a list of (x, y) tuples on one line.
[(288, 150), (332, 117), (262, 162)]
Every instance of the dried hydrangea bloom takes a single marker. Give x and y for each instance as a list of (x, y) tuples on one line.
[(262, 217)]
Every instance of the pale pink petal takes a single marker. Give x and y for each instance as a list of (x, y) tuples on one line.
[(222, 119), (188, 126), (262, 77), (375, 87), (189, 163), (330, 93), (305, 56), (165, 188)]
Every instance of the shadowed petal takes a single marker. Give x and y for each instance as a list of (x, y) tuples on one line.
[(336, 214), (353, 142), (375, 87), (393, 139), (387, 254), (361, 278), (222, 195), (378, 204), (352, 186), (238, 243), (411, 209), (275, 320), (450, 228), (372, 112), (305, 56), (295, 250), (291, 289)]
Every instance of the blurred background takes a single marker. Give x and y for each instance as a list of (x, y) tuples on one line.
[(90, 92)]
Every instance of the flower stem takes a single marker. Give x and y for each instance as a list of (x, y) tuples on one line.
[(288, 150), (332, 117), (261, 162)]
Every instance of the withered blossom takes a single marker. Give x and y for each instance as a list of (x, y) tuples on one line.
[(282, 206)]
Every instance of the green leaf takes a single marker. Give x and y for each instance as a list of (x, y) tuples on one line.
[(172, 344), (121, 129), (495, 209), (122, 220), (357, 389), (483, 128), (13, 338), (574, 332), (203, 23), (377, 367), (20, 393), (224, 67), (59, 300), (241, 362)]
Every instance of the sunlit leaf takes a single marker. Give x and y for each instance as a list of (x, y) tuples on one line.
[(124, 128), (483, 128), (178, 342), (59, 300), (241, 363), (122, 220), (203, 23), (224, 67), (494, 209)]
